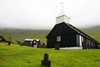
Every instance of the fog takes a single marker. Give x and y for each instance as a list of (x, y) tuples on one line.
[(41, 14)]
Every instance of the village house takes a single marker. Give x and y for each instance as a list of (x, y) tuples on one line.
[(68, 35), (6, 39), (30, 42)]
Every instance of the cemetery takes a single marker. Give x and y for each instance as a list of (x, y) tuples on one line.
[(63, 35), (19, 56), (62, 46)]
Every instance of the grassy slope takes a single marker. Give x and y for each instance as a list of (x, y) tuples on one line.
[(93, 32), (23, 56), (19, 34)]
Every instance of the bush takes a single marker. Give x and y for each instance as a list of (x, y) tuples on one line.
[(19, 42)]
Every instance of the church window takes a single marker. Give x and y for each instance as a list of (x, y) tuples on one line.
[(58, 38), (0, 39)]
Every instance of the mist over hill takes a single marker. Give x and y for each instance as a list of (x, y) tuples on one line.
[(39, 28), (20, 34)]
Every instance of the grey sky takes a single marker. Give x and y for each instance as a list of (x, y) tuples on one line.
[(41, 14)]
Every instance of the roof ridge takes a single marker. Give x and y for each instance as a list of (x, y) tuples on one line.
[(80, 32)]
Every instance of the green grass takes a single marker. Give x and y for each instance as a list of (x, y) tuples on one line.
[(24, 56)]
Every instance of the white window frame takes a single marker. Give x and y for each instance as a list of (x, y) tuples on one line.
[(0, 39), (58, 38), (80, 40)]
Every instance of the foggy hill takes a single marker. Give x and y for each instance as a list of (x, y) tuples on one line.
[(20, 34)]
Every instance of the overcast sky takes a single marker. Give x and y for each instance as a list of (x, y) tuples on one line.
[(41, 14)]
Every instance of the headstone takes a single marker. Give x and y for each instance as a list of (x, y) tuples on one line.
[(46, 62), (84, 45), (9, 42), (21, 44), (57, 46)]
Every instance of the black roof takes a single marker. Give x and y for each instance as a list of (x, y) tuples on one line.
[(65, 29)]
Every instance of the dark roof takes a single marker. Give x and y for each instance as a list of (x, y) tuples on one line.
[(8, 39), (81, 33), (75, 30)]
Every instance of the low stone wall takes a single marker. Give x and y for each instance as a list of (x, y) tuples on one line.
[(41, 46), (25, 44)]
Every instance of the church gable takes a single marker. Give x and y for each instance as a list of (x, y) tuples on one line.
[(60, 30)]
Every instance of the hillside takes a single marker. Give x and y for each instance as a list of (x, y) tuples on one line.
[(93, 32), (20, 34)]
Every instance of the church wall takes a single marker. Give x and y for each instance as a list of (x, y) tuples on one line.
[(69, 41), (66, 41), (51, 42)]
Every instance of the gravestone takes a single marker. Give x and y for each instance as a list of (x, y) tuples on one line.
[(9, 42), (84, 45), (46, 62), (57, 46), (21, 44)]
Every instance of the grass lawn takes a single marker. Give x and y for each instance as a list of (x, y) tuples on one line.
[(23, 56)]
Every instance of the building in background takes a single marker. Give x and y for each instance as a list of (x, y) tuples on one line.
[(33, 42), (6, 39)]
